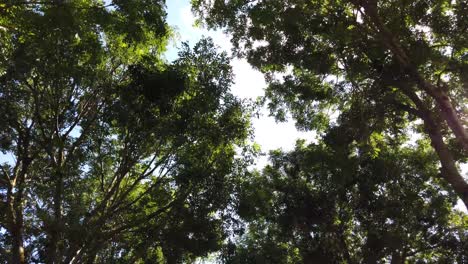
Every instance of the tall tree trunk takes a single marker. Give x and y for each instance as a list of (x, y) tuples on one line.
[(15, 200), (15, 216), (442, 100), (54, 247), (18, 248), (15, 224), (449, 169), (446, 109), (449, 114), (396, 258)]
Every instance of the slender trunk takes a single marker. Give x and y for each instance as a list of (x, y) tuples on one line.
[(396, 258), (450, 115), (442, 100), (15, 204), (72, 253), (53, 251), (76, 258), (86, 253), (18, 248), (15, 224), (449, 169)]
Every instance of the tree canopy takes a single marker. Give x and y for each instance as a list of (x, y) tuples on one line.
[(118, 157), (111, 154), (322, 203), (379, 64), (367, 75)]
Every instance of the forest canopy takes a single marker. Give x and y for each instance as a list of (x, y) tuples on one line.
[(118, 156)]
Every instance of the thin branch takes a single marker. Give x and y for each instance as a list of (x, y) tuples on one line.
[(86, 108), (84, 133), (117, 230), (160, 180), (5, 173)]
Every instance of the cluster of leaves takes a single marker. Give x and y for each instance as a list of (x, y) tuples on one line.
[(338, 203), (367, 75), (381, 63), (117, 156)]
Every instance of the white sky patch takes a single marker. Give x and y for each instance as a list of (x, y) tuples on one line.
[(249, 83), (187, 17), (425, 30), (460, 205), (359, 16), (8, 158)]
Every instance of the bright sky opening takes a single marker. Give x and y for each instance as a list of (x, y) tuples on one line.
[(249, 83)]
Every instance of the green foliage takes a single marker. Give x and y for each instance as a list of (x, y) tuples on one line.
[(327, 58), (118, 156), (320, 203), (365, 75)]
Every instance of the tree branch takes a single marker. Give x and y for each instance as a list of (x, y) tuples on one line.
[(449, 169), (441, 98)]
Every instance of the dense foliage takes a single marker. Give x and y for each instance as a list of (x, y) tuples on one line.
[(380, 63), (325, 203), (368, 75), (110, 155)]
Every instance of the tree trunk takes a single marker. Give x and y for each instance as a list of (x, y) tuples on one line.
[(449, 169), (15, 225), (15, 218), (16, 232), (54, 248), (449, 114), (442, 100), (18, 248)]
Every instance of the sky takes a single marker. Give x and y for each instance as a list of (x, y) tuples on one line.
[(249, 83)]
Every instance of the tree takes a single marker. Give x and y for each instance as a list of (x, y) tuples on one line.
[(380, 63), (323, 203), (117, 156)]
